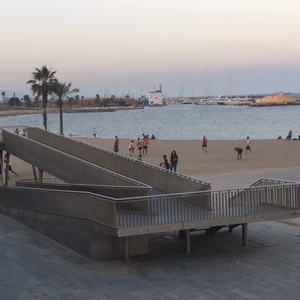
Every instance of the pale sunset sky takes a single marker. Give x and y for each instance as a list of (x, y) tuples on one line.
[(131, 46)]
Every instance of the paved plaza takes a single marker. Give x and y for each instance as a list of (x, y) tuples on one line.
[(33, 266)]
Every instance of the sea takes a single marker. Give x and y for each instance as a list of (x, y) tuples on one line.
[(173, 122)]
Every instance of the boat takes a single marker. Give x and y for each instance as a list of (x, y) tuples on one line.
[(238, 101), (187, 102)]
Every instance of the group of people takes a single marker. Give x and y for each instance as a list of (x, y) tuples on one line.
[(289, 136), (170, 164), (23, 132), (239, 150), (141, 144)]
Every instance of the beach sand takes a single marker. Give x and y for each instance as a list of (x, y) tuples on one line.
[(276, 159)]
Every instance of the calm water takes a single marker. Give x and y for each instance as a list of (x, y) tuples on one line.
[(183, 122)]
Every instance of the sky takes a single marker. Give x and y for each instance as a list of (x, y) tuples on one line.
[(119, 47)]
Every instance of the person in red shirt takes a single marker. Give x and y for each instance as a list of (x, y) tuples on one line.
[(239, 151), (116, 144), (204, 144)]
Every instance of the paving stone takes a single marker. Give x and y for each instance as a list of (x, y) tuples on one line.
[(33, 266)]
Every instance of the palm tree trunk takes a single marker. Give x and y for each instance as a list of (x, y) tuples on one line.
[(61, 120), (45, 110), (45, 117)]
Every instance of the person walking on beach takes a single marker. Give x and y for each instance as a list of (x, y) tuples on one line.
[(95, 133), (290, 135), (131, 148), (204, 144), (139, 144), (173, 161), (239, 151), (145, 144), (7, 160), (165, 164), (248, 147), (116, 144)]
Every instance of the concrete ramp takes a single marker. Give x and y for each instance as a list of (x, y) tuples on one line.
[(62, 165), (160, 179)]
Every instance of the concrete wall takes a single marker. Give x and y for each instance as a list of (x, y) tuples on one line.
[(82, 222), (62, 165), (160, 179)]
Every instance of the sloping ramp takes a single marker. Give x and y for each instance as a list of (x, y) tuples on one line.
[(160, 179), (60, 164)]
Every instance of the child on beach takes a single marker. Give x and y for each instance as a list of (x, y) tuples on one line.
[(131, 148), (239, 151), (165, 164)]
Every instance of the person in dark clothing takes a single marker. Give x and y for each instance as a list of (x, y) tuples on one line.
[(165, 164), (173, 161)]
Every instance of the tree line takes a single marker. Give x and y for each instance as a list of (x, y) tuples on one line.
[(43, 83)]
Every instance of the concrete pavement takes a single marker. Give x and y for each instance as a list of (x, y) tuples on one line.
[(34, 267)]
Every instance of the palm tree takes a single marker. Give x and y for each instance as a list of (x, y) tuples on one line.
[(61, 91), (42, 84), (3, 95)]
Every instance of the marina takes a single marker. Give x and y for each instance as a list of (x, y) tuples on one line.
[(174, 122)]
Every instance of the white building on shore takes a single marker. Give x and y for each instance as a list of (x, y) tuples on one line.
[(156, 98)]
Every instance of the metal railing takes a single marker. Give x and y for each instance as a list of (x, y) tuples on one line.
[(151, 214), (78, 205), (197, 206)]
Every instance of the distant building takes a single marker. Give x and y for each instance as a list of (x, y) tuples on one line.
[(279, 98), (156, 98)]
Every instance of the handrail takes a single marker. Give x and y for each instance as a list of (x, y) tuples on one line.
[(263, 180), (209, 205), (159, 210)]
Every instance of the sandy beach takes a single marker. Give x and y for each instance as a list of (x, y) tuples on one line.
[(219, 165), (19, 112), (277, 159)]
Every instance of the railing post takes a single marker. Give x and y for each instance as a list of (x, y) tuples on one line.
[(126, 248), (34, 174), (41, 175), (187, 241), (245, 234)]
